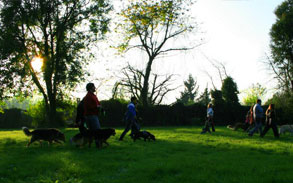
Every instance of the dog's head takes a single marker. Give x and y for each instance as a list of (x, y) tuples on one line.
[(152, 137), (112, 131)]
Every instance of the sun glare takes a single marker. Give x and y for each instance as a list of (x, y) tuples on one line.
[(37, 63)]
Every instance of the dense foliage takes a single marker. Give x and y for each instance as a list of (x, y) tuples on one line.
[(282, 45), (57, 32)]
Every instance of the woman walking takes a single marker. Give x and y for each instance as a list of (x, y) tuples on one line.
[(271, 121)]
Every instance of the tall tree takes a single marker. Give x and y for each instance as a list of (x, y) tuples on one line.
[(282, 45), (190, 91), (150, 25), (58, 31), (230, 91), (204, 98)]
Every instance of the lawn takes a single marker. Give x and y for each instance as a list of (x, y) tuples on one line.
[(180, 154)]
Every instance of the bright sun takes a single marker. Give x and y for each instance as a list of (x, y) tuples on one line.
[(37, 63)]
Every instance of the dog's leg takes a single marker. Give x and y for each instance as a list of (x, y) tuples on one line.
[(31, 141)]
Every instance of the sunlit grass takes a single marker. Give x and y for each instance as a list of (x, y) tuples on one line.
[(180, 154)]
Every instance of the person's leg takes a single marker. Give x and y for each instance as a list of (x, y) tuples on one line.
[(127, 128), (251, 132), (206, 127), (134, 127), (93, 124), (213, 125), (208, 124), (256, 128), (275, 130), (267, 127)]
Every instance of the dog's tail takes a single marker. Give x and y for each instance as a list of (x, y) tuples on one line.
[(26, 131)]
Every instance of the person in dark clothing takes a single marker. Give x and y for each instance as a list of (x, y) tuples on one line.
[(270, 121), (80, 119), (91, 106), (209, 121), (130, 118)]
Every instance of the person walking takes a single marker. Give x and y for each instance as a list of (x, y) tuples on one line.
[(130, 118), (270, 121), (258, 117), (249, 119), (209, 121)]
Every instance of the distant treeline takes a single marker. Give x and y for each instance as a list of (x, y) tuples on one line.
[(160, 115)]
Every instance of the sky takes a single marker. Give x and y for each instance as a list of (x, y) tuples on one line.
[(234, 33)]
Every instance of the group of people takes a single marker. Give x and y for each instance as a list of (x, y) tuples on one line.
[(90, 108), (253, 123), (254, 119), (258, 116)]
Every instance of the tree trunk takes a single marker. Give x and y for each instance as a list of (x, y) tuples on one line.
[(144, 92)]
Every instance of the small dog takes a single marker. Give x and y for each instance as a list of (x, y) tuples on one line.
[(47, 134), (286, 128), (87, 136), (142, 134)]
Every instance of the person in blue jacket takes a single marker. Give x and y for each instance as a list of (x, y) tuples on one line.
[(130, 118)]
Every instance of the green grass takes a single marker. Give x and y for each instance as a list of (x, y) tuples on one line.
[(180, 154)]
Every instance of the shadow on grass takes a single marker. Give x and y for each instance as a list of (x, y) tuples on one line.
[(179, 155)]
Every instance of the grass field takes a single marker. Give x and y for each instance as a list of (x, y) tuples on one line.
[(180, 154)]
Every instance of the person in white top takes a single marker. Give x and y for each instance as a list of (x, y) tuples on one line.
[(210, 120)]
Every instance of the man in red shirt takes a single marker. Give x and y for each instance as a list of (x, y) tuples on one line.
[(91, 108)]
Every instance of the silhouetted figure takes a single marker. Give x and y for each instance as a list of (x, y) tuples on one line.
[(209, 121), (270, 121), (249, 119), (130, 118), (91, 108), (80, 119), (258, 117)]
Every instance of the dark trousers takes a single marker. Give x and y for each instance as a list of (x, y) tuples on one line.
[(257, 127), (131, 124), (267, 127)]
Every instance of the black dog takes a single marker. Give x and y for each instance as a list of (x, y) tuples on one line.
[(142, 134), (47, 134), (87, 136)]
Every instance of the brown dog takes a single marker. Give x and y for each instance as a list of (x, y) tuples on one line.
[(47, 134)]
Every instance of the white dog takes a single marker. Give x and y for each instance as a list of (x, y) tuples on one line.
[(286, 128)]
